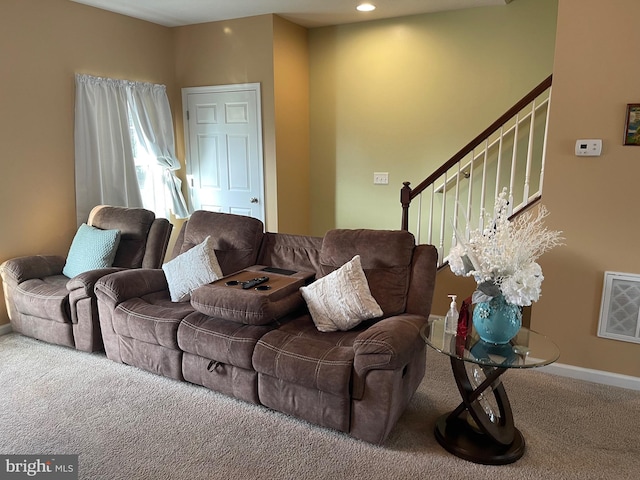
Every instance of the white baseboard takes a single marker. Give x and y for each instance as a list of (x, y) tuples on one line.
[(6, 328), (596, 376)]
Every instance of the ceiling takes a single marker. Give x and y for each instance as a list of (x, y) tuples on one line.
[(308, 13)]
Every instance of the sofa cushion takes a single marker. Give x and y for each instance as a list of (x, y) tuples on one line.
[(46, 297), (386, 260), (91, 249), (220, 340), (192, 269), (307, 361), (236, 238), (303, 326), (341, 299), (152, 319)]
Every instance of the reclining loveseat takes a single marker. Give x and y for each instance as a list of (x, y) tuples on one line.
[(262, 344)]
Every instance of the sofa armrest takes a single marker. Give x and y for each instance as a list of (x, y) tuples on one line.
[(21, 269), (388, 344), (120, 286), (85, 282), (81, 289)]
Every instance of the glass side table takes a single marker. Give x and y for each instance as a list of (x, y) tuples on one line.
[(481, 428)]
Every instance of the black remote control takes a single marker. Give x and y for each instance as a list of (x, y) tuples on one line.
[(253, 282)]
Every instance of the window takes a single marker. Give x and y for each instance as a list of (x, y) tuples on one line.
[(149, 174)]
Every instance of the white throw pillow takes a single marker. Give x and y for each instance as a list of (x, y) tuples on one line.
[(342, 299), (196, 267)]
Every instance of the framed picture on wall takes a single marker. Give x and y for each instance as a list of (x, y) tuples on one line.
[(632, 125)]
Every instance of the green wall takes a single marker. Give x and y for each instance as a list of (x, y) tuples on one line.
[(403, 95)]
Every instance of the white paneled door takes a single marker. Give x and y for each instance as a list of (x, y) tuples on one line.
[(223, 135)]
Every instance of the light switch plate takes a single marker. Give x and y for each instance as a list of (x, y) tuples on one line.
[(380, 178)]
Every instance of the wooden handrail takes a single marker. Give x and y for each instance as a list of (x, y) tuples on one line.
[(407, 194)]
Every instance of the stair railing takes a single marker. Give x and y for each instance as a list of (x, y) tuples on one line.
[(509, 154)]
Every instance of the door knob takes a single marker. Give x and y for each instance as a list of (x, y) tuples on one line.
[(253, 199)]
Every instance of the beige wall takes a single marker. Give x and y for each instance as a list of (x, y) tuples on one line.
[(291, 86), (403, 95), (222, 53), (591, 199), (273, 52), (43, 43)]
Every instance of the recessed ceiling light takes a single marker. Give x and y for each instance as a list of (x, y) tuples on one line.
[(365, 7)]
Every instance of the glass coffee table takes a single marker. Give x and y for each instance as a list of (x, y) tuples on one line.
[(481, 428)]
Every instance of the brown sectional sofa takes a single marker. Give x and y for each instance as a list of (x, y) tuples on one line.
[(263, 347)]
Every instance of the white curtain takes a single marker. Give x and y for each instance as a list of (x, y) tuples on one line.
[(105, 170), (112, 117), (153, 124)]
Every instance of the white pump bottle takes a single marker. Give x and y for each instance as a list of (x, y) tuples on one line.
[(451, 318)]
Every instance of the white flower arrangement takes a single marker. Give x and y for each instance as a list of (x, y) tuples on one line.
[(502, 257)]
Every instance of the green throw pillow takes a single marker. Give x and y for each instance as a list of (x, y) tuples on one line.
[(91, 249)]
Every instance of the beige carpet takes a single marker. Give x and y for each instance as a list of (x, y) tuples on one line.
[(128, 424)]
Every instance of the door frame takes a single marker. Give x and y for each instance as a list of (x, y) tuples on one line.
[(237, 87)]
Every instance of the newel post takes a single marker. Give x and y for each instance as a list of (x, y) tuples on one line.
[(405, 200)]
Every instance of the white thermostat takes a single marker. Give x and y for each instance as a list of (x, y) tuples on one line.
[(589, 148)]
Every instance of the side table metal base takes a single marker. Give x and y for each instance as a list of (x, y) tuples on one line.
[(462, 440), (493, 439), (481, 428)]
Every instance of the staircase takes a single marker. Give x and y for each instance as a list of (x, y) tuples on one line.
[(509, 154)]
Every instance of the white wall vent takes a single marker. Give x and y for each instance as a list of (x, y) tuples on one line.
[(620, 307)]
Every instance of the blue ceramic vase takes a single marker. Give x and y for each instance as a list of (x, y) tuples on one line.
[(497, 321)]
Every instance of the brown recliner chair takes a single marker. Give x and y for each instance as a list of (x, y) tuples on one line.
[(139, 321), (45, 304)]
